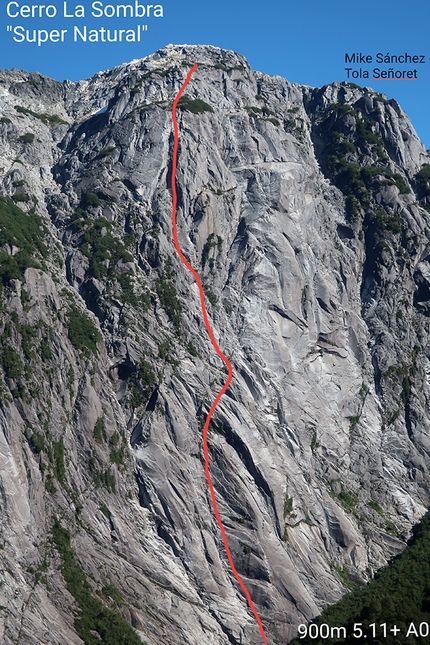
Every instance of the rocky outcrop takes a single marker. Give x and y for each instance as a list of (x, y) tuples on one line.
[(305, 213)]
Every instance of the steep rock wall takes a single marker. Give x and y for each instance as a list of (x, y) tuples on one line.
[(317, 282)]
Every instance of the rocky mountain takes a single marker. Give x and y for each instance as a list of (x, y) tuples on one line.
[(306, 213)]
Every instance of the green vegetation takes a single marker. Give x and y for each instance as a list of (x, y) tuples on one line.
[(130, 240), (288, 506), (348, 500), (23, 231), (145, 301), (95, 622), (196, 106), (380, 98), (45, 350), (314, 441), (366, 135), (391, 529), (193, 349), (37, 442), (341, 157), (159, 72), (106, 512), (70, 382), (79, 219), (106, 152), (27, 334), (397, 372), (128, 296), (7, 332), (119, 456), (423, 180), (91, 199), (83, 335), (102, 478), (46, 118), (142, 384), (54, 451), (385, 222), (257, 111), (58, 458), (113, 593), (401, 184), (358, 179), (362, 392), (101, 248), (99, 431), (4, 119), (164, 350), (105, 479), (114, 440), (20, 197), (25, 299), (104, 252), (344, 576), (211, 243), (169, 300), (210, 295), (403, 374), (262, 113), (399, 595), (353, 421), (27, 138), (11, 363), (49, 485)]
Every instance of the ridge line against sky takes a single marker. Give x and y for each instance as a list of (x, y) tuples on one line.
[(305, 42)]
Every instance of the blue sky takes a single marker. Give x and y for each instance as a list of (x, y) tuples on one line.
[(305, 41)]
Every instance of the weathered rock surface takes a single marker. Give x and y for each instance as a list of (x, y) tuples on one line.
[(320, 450)]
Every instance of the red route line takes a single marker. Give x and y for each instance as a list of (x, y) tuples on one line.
[(218, 351)]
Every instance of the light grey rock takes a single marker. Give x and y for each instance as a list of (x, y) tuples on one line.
[(313, 426)]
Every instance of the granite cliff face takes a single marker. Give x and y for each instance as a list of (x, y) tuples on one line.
[(305, 211)]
